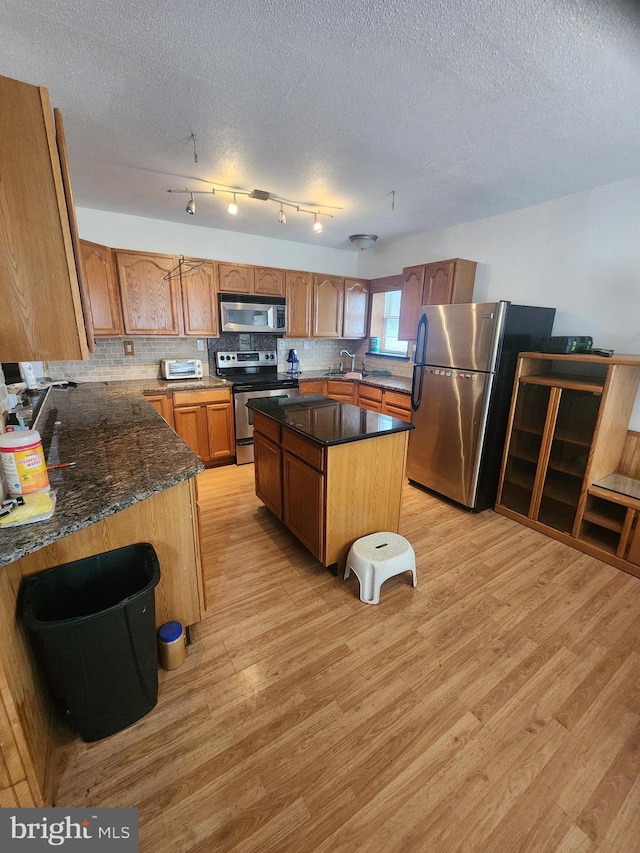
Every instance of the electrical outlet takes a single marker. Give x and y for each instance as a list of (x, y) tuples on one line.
[(306, 345), (128, 348), (200, 344)]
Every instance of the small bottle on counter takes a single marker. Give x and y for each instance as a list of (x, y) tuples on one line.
[(172, 645)]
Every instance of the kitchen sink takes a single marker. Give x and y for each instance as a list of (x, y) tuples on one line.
[(337, 374)]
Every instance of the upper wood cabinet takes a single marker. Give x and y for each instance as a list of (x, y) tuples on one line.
[(438, 283), (42, 312), (236, 278), (328, 306), (299, 296), (102, 289), (233, 278), (150, 294), (269, 282), (356, 304), (199, 298)]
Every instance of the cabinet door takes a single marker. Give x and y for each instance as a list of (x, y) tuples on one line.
[(39, 291), (191, 426), (163, 405), (341, 389), (314, 386), (102, 289), (269, 282), (233, 278), (438, 283), (299, 295), (199, 298), (220, 431), (268, 473), (150, 300), (356, 303), (328, 306), (410, 302), (303, 505)]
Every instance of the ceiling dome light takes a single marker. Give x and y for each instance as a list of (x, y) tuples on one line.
[(191, 206), (363, 241), (282, 216), (317, 226), (233, 207)]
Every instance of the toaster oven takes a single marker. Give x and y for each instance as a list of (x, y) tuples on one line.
[(181, 368)]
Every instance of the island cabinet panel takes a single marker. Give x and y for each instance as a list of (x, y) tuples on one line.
[(150, 294), (39, 288), (268, 472), (234, 278), (299, 296), (303, 502), (328, 306), (356, 303), (269, 281), (199, 298), (101, 283)]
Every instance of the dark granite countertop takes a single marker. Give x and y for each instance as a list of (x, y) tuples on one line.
[(390, 383), (124, 452), (325, 421)]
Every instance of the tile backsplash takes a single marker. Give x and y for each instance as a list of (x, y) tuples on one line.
[(109, 362)]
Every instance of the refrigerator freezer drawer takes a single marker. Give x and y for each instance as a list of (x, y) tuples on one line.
[(445, 447)]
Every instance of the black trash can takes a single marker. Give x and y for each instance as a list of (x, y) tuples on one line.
[(92, 628)]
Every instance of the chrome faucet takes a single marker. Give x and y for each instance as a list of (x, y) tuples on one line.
[(352, 357)]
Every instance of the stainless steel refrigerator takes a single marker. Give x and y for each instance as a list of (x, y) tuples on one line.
[(463, 371)]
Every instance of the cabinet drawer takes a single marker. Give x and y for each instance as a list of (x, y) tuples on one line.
[(341, 389), (200, 397), (306, 450), (266, 426), (398, 400), (315, 386), (368, 392)]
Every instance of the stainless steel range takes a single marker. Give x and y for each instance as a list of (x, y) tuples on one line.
[(253, 374)]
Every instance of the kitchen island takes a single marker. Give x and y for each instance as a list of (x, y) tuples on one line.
[(331, 472), (132, 482)]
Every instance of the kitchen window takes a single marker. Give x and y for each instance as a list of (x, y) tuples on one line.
[(385, 317)]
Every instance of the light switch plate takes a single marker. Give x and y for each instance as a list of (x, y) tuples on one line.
[(129, 349)]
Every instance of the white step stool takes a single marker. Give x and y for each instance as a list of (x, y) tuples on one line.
[(376, 558)]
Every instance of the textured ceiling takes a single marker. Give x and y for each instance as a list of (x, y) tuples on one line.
[(466, 108)]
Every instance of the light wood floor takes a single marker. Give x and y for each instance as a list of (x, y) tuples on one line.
[(493, 708)]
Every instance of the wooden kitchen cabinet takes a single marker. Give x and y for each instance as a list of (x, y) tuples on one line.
[(328, 306), (312, 386), (101, 284), (438, 283), (41, 301), (356, 305), (235, 278), (303, 502), (341, 389), (269, 281), (163, 404), (149, 292), (268, 472), (199, 298), (204, 421), (397, 404), (370, 397), (299, 296), (567, 431)]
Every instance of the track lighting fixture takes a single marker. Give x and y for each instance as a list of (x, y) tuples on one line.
[(262, 195)]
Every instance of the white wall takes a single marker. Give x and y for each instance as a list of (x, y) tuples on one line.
[(579, 254), (122, 231)]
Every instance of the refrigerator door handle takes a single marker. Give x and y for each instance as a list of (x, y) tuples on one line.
[(416, 386), (421, 341)]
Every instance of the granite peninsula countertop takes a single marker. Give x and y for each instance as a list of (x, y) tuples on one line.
[(123, 449), (327, 422), (390, 383)]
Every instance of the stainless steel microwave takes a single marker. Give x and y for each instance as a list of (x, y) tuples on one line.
[(241, 312)]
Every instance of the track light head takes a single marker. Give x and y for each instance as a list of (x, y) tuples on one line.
[(191, 206), (233, 207), (282, 216), (317, 225)]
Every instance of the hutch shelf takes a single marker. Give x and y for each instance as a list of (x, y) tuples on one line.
[(568, 431)]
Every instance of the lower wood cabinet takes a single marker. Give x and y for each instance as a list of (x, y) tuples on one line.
[(268, 464), (163, 404), (339, 389), (204, 421), (397, 404), (303, 502)]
